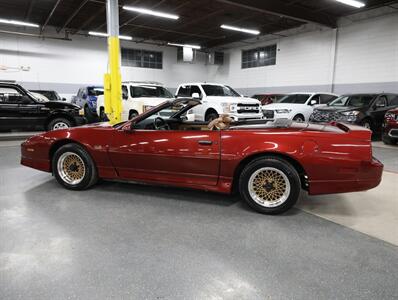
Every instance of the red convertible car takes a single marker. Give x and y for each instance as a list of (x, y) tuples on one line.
[(268, 163)]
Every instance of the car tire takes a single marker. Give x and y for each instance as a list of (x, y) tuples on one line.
[(103, 117), (299, 119), (74, 168), (133, 114), (387, 140), (211, 116), (367, 124), (270, 185), (59, 123)]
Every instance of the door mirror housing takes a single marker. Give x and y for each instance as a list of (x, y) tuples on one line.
[(84, 96), (196, 96)]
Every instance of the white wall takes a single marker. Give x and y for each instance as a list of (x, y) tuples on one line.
[(366, 59), (67, 65)]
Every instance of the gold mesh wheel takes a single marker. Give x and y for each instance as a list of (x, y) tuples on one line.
[(269, 187), (71, 168)]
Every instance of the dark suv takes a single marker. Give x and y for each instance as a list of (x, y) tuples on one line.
[(19, 109), (367, 110)]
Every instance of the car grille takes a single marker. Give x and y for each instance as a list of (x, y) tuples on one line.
[(248, 108), (324, 116), (268, 114)]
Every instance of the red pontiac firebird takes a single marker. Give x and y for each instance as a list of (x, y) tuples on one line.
[(268, 163)]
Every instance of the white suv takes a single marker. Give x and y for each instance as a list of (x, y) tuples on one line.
[(296, 106), (219, 99), (138, 97)]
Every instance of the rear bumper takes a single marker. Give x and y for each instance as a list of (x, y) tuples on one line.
[(368, 177)]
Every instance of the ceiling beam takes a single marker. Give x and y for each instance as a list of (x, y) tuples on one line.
[(73, 15), (49, 16), (278, 8), (29, 10), (89, 20), (174, 31)]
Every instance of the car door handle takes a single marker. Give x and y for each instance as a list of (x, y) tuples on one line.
[(205, 142)]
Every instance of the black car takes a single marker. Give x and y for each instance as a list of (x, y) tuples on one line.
[(50, 95), (367, 110), (19, 109)]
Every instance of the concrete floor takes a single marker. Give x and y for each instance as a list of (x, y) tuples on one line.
[(140, 242)]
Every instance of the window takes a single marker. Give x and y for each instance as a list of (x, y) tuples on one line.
[(10, 95), (184, 91), (125, 92), (393, 99), (295, 98), (352, 100), (325, 98), (219, 90), (142, 58), (195, 89), (259, 57), (95, 91), (149, 91)]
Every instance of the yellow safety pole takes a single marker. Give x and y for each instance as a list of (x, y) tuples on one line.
[(113, 79)]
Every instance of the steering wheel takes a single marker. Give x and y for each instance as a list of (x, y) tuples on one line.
[(160, 124)]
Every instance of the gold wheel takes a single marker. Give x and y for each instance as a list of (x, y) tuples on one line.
[(71, 168), (269, 187)]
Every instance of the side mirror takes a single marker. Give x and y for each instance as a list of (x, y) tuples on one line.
[(125, 96), (313, 102), (84, 96), (196, 96)]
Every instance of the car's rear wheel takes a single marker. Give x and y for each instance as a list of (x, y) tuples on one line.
[(59, 123), (133, 114), (74, 168), (270, 185), (367, 124), (299, 119), (210, 116)]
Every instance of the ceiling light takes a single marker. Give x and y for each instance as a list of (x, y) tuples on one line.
[(18, 23), (151, 12), (251, 31), (354, 3), (122, 37), (184, 45)]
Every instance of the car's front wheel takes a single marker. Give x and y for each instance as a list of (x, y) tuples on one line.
[(270, 185), (74, 168), (59, 123)]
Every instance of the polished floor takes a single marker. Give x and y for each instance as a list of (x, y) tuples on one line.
[(127, 241)]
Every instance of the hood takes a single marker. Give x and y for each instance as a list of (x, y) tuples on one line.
[(232, 99), (274, 106), (153, 101), (60, 105), (337, 108)]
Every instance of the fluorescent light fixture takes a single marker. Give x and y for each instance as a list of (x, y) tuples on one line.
[(122, 37), (251, 31), (18, 23), (354, 3), (151, 12), (184, 45)]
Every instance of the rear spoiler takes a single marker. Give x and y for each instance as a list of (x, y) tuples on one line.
[(353, 130)]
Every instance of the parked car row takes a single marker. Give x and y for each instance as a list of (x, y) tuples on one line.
[(376, 112)]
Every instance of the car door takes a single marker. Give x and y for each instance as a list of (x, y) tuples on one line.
[(19, 111), (187, 157), (378, 110)]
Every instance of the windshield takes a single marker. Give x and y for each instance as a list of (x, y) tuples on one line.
[(219, 90), (95, 91), (51, 95), (295, 98), (353, 100), (150, 91)]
